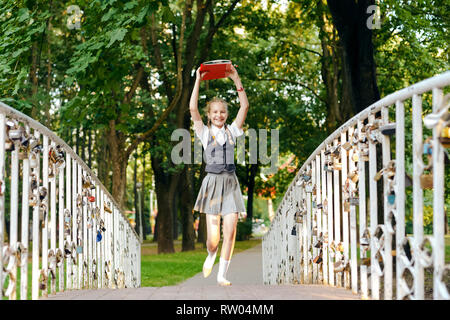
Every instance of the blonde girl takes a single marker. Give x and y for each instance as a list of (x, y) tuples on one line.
[(220, 195)]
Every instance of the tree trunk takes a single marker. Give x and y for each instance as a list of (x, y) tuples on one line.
[(186, 209), (135, 192), (143, 200), (116, 143), (358, 65), (89, 148), (33, 78), (251, 188), (83, 144), (176, 202), (202, 232), (339, 109), (165, 185)]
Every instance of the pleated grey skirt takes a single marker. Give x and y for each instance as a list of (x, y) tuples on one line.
[(220, 193)]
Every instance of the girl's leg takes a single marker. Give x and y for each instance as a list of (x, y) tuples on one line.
[(213, 232), (212, 242), (229, 237)]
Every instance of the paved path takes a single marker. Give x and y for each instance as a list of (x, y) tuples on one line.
[(245, 273)]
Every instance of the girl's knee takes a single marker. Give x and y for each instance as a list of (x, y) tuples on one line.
[(229, 236)]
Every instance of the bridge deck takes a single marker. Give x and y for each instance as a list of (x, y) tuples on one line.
[(245, 272)]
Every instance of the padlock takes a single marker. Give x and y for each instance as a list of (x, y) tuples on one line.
[(33, 161), (318, 258), (67, 250), (91, 199), (107, 207), (79, 249), (309, 188), (51, 172), (32, 202), (427, 149), (347, 146), (388, 129), (378, 175), (445, 141), (339, 266), (15, 134), (67, 217), (391, 198), (23, 155), (52, 155), (335, 152), (86, 182), (346, 206), (365, 262), (79, 200), (355, 157), (364, 241), (318, 243), (99, 236), (294, 231), (426, 181), (42, 193), (340, 247), (337, 165), (353, 201), (328, 167), (353, 176)]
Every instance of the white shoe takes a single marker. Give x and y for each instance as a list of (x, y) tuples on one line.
[(209, 263), (223, 267), (223, 282)]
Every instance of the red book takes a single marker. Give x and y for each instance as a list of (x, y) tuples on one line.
[(216, 69)]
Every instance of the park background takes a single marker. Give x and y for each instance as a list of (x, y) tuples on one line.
[(113, 80)]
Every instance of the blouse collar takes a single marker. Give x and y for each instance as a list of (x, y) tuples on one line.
[(216, 130)]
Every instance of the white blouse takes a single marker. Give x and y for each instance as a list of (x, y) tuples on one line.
[(202, 132)]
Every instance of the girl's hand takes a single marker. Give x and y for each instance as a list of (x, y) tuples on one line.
[(233, 75), (199, 74)]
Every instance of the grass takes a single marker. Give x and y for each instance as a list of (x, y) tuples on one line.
[(169, 269)]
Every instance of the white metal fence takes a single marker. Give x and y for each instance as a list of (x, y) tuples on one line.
[(342, 220), (60, 219)]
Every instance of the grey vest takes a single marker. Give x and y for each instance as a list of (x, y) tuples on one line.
[(219, 157)]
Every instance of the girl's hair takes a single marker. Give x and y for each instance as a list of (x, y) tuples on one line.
[(208, 106)]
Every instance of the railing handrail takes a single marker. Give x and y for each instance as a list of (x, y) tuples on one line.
[(423, 86), (9, 111), (335, 196)]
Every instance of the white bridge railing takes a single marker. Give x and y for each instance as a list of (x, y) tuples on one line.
[(327, 228), (60, 219)]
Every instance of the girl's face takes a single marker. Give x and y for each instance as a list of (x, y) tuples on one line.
[(218, 114)]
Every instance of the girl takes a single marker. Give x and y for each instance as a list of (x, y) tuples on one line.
[(220, 194)]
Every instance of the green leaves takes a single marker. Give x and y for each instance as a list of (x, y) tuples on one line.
[(109, 14), (116, 35), (167, 15)]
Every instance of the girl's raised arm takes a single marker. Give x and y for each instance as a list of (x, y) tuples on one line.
[(242, 113), (193, 103)]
